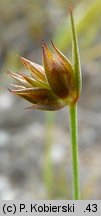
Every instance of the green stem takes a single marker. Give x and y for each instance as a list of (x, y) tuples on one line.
[(48, 165), (74, 151)]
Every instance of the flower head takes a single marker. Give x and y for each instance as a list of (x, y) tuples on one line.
[(49, 87), (53, 85)]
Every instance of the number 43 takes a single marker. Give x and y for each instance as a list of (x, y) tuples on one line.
[(91, 208)]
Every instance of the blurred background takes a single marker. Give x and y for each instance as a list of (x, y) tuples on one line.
[(35, 154)]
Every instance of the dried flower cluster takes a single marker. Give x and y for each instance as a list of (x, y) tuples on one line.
[(49, 87)]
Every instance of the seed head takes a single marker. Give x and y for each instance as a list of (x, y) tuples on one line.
[(53, 85)]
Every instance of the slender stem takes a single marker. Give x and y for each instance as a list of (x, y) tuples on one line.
[(48, 165), (74, 151)]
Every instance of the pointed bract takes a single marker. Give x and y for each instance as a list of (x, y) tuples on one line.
[(19, 78), (63, 59), (47, 107), (36, 70), (57, 75), (41, 98)]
